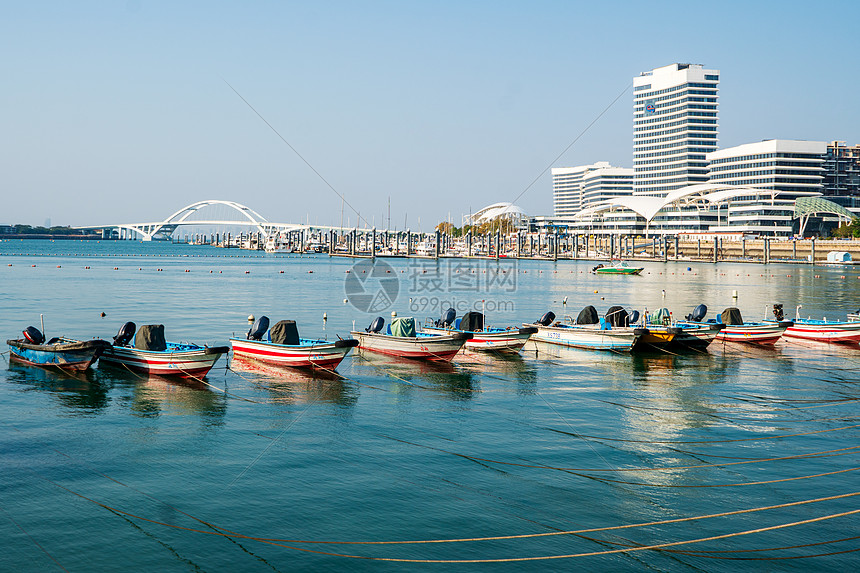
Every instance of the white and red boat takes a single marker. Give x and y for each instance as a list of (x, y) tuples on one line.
[(151, 354), (284, 347), (764, 333), (736, 329), (836, 331), (507, 340), (403, 341), (824, 330)]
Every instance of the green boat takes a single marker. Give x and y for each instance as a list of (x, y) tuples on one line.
[(617, 268)]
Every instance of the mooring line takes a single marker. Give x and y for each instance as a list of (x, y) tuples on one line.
[(30, 537), (218, 529), (813, 455), (705, 441), (283, 542)]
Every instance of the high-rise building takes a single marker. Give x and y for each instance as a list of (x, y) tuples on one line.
[(674, 126), (575, 188), (606, 183), (784, 170), (842, 174)]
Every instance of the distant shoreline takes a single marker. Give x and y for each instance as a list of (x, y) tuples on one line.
[(43, 236)]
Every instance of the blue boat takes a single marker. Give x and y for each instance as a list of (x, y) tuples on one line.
[(61, 353)]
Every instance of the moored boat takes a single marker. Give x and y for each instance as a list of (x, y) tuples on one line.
[(284, 347), (836, 331), (151, 354), (484, 338), (61, 353), (598, 335), (735, 329), (617, 268), (402, 340), (689, 334)]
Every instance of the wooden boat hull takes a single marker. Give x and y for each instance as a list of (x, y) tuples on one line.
[(660, 337), (310, 354), (824, 331), (508, 340), (440, 348), (65, 354), (694, 335), (179, 360), (589, 337), (754, 333)]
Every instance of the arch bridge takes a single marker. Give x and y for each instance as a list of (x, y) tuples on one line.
[(162, 230)]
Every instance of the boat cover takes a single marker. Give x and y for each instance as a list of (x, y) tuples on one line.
[(617, 316), (472, 322), (662, 316), (588, 315), (404, 326), (150, 337), (731, 315), (285, 332)]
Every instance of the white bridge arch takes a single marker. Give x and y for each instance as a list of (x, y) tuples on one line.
[(164, 229)]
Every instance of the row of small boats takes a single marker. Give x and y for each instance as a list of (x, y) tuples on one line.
[(146, 350), (622, 331)]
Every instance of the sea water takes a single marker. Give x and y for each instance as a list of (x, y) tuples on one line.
[(556, 459)]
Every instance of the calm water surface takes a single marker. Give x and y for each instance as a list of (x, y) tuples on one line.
[(112, 471)]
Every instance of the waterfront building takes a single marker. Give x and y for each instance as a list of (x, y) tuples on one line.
[(496, 212), (674, 127), (605, 182), (842, 175), (575, 188), (780, 170)]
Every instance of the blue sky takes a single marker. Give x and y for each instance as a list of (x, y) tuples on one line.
[(119, 112)]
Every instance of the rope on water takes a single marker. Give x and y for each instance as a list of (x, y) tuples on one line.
[(821, 454), (283, 542), (30, 537), (706, 441)]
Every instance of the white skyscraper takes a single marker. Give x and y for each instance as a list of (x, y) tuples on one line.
[(674, 126)]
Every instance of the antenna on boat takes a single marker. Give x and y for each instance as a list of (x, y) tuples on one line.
[(42, 322), (797, 311)]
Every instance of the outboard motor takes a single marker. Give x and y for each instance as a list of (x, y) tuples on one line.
[(546, 319), (376, 325), (447, 318), (634, 317), (34, 335), (259, 328), (777, 312), (698, 313), (617, 316), (125, 334)]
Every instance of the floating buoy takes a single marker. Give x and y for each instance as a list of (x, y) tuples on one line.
[(103, 315), (115, 268), (247, 272), (595, 292), (282, 272), (59, 267), (310, 272)]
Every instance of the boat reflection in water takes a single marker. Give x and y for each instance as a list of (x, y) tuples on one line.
[(154, 396), (433, 374), (290, 385), (78, 391)]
